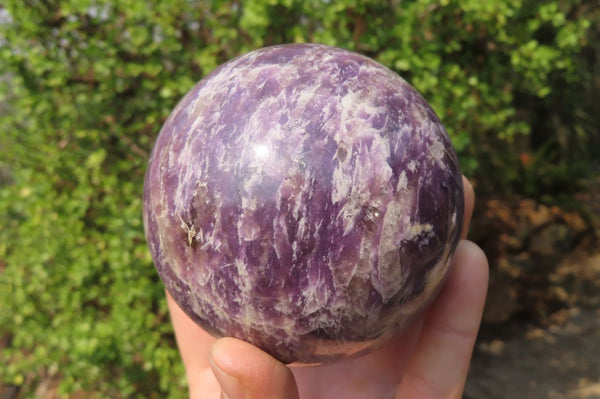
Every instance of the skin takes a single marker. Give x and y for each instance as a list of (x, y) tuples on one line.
[(430, 360)]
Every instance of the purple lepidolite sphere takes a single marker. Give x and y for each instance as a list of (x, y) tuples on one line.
[(303, 198)]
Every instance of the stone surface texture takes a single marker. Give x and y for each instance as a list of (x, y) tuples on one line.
[(303, 198)]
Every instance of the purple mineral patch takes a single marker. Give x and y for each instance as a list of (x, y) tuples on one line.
[(303, 198)]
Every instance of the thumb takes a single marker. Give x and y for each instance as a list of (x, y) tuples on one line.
[(246, 372)]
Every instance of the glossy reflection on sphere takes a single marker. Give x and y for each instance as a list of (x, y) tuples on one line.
[(305, 199)]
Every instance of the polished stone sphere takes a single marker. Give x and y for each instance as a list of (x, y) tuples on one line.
[(303, 198)]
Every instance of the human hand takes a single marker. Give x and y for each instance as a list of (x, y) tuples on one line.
[(430, 359)]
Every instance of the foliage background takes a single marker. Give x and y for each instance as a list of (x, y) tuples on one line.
[(86, 84)]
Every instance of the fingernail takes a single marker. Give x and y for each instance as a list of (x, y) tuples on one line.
[(230, 385)]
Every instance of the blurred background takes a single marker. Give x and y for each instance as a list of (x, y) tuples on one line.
[(86, 84)]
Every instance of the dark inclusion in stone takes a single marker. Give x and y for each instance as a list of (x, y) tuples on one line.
[(305, 199)]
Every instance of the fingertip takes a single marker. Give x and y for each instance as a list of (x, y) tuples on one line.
[(245, 371), (466, 288), (472, 263), (220, 358), (468, 187), (469, 195), (223, 353)]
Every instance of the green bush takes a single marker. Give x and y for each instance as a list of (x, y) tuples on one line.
[(86, 84)]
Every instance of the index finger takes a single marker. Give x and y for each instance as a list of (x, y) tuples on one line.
[(194, 346), (439, 366)]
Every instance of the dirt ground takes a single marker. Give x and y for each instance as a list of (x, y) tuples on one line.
[(556, 358), (541, 333)]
